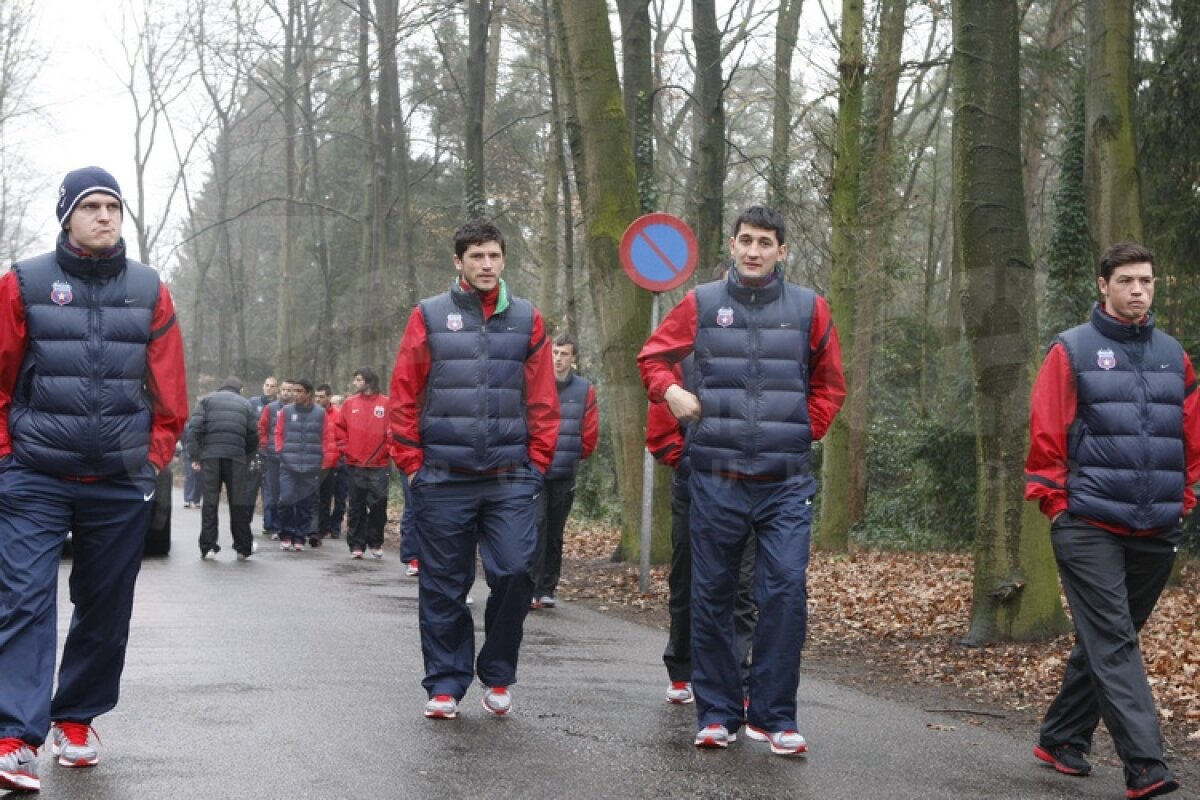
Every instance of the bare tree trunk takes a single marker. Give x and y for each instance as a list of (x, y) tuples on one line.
[(709, 125), (474, 191), (786, 32), (609, 184), (1015, 589), (286, 350), (1062, 15), (1110, 168), (832, 531), (638, 95)]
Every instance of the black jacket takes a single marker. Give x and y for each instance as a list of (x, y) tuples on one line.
[(223, 425)]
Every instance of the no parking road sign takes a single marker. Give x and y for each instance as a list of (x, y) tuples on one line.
[(659, 252)]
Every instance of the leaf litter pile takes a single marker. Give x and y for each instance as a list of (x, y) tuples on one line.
[(901, 617)]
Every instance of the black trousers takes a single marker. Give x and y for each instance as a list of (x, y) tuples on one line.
[(240, 491), (367, 511), (678, 653), (554, 506), (331, 505), (1112, 584)]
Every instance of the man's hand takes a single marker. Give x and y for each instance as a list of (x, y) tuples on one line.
[(197, 466), (683, 404)]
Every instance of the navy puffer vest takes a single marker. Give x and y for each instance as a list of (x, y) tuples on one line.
[(1126, 451), (572, 403), (303, 437), (80, 406), (752, 353), (473, 419)]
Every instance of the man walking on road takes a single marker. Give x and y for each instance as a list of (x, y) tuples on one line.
[(270, 458), (768, 384), (306, 443), (93, 397), (363, 427), (578, 433), (222, 440), (474, 420), (270, 393), (1113, 453)]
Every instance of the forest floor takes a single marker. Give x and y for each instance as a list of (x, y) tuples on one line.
[(891, 624)]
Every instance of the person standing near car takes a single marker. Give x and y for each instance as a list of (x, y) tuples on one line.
[(222, 438), (474, 420), (93, 398), (1114, 450)]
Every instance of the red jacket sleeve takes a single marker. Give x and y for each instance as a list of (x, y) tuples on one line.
[(1052, 409), (279, 438), (664, 437), (1191, 433), (591, 422), (166, 380), (331, 450), (541, 398), (670, 343), (826, 381), (12, 350), (407, 393)]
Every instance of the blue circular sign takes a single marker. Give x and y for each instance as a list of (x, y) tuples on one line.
[(659, 252)]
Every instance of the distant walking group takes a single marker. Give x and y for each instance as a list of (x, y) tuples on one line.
[(488, 424)]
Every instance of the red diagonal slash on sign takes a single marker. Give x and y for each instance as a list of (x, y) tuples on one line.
[(658, 252), (639, 232)]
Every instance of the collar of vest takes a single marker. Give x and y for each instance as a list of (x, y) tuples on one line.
[(755, 295), (470, 299), (83, 266), (1120, 331)]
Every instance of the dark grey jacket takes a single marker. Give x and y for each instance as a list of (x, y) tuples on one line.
[(222, 425)]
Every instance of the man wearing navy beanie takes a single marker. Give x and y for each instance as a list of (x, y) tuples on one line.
[(93, 398)]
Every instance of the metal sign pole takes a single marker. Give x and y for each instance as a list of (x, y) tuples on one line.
[(647, 489)]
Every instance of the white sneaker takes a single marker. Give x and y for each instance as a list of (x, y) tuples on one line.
[(680, 693), (18, 767), (441, 706), (783, 743), (376, 552), (72, 743), (715, 736), (497, 701)]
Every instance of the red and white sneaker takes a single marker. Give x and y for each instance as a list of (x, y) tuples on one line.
[(72, 742), (413, 568), (441, 706), (783, 743), (680, 693), (18, 766), (714, 737), (497, 701)]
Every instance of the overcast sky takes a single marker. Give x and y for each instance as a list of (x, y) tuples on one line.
[(84, 110)]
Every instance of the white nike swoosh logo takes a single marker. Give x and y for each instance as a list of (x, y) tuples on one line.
[(128, 300), (148, 497)]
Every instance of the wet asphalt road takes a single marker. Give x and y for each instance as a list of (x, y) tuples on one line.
[(297, 675)]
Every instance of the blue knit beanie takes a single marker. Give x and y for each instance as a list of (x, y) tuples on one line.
[(79, 184)]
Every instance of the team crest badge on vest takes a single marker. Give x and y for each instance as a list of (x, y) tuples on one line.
[(454, 322), (725, 316), (60, 293), (1106, 358), (380, 411)]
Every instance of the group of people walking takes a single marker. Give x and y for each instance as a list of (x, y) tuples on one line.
[(488, 423)]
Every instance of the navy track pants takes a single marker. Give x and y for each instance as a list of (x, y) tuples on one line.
[(108, 520), (454, 516)]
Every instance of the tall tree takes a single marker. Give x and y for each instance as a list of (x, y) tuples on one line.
[(709, 126), (787, 30), (833, 528), (638, 91), (1015, 593), (1110, 169), (475, 193), (608, 185)]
